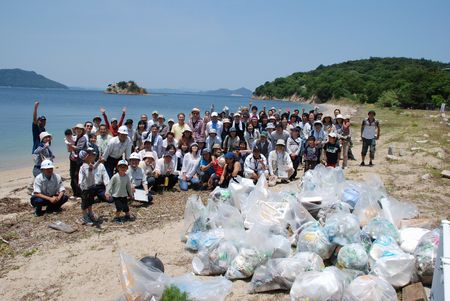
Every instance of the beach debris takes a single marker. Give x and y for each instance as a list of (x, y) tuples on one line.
[(61, 226), (445, 174), (422, 141), (370, 288), (426, 176), (153, 262), (392, 158), (426, 253)]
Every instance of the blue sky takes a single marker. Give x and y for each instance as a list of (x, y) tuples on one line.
[(212, 44)]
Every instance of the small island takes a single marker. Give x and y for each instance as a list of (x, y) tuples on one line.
[(128, 88)]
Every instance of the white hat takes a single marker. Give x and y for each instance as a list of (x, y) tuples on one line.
[(187, 129), (83, 155), (213, 131), (214, 114), (237, 114), (195, 110), (123, 130), (272, 117), (226, 120), (135, 156), (339, 116), (47, 164), (318, 122), (281, 142), (155, 113), (170, 120), (161, 116), (270, 126), (43, 135), (79, 126), (122, 162), (332, 134), (149, 155)]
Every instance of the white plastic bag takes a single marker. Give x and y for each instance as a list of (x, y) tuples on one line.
[(327, 285), (394, 211), (370, 288), (379, 227), (342, 228), (212, 289), (280, 273), (194, 217), (224, 216), (353, 256), (410, 237), (390, 262), (313, 238)]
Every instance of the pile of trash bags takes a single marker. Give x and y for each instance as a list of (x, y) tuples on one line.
[(327, 239)]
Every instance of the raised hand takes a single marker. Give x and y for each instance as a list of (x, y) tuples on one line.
[(102, 110)]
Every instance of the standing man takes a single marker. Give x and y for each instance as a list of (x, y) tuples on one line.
[(370, 132), (38, 126), (180, 127), (197, 126), (155, 139), (117, 148), (214, 123)]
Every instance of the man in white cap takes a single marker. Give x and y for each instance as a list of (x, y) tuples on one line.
[(138, 176), (155, 139), (280, 163), (180, 127), (118, 148), (214, 123), (332, 150), (48, 190), (154, 120), (238, 125), (42, 152), (197, 126)]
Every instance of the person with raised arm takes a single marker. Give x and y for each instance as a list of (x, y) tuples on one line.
[(38, 126), (114, 125)]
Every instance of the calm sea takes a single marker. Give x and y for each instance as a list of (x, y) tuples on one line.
[(65, 108)]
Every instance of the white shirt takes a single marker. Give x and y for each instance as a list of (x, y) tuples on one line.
[(166, 143), (48, 187), (102, 143), (279, 163), (86, 177), (210, 142), (370, 128), (117, 149), (142, 154), (219, 127), (294, 146), (162, 168), (137, 176), (101, 176), (190, 165), (252, 165)]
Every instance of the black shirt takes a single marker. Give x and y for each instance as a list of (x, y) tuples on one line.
[(332, 151)]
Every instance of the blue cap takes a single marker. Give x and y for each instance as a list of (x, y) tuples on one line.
[(230, 155)]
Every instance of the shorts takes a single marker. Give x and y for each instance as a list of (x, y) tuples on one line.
[(368, 144), (121, 204), (87, 198)]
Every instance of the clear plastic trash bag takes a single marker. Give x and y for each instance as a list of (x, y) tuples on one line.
[(211, 289), (313, 238), (379, 227), (394, 210), (327, 285), (331, 209), (342, 228), (215, 259), (425, 253), (280, 273), (353, 256), (224, 216), (198, 240), (369, 288), (410, 237), (194, 217)]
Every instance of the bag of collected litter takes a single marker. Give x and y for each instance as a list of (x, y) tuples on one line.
[(280, 273), (351, 192), (394, 211), (252, 202), (313, 238), (297, 215), (390, 262), (353, 256), (426, 252), (370, 288), (410, 237), (327, 285), (215, 259), (350, 275), (239, 191), (198, 240), (221, 215), (366, 209), (331, 209), (342, 228), (139, 282), (194, 217), (244, 264), (213, 289), (379, 227), (221, 195)]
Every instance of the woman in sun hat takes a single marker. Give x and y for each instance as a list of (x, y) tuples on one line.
[(42, 152)]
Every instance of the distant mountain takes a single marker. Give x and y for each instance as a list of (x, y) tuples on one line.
[(28, 79), (227, 92)]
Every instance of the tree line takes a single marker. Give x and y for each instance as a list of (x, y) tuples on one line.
[(391, 82)]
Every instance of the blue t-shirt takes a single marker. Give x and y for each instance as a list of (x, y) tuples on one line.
[(36, 131), (210, 170)]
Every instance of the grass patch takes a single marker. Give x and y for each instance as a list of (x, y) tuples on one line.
[(6, 250), (30, 252), (11, 235)]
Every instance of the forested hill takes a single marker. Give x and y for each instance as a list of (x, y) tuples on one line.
[(401, 82), (29, 79)]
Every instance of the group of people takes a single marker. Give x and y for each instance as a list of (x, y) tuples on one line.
[(111, 158)]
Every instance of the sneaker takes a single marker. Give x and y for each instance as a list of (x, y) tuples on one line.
[(118, 220), (86, 219), (38, 211), (362, 164), (93, 217), (370, 163), (129, 218)]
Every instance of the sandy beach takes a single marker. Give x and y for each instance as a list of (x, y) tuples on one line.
[(43, 264)]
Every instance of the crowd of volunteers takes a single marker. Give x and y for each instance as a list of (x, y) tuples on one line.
[(110, 158)]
